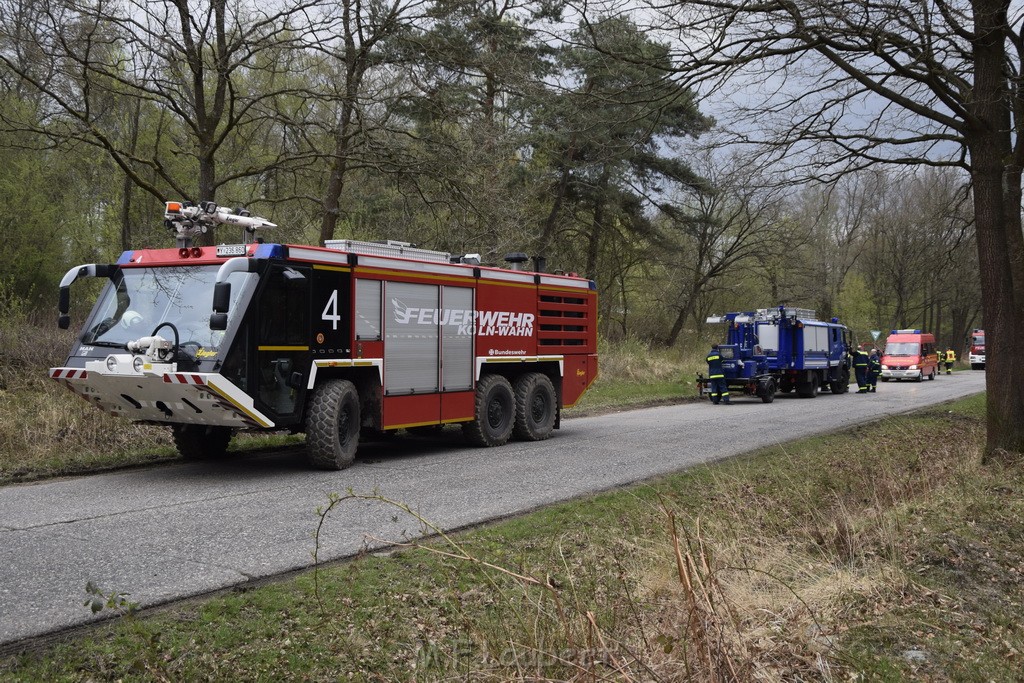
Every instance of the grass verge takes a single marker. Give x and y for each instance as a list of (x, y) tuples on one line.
[(883, 553)]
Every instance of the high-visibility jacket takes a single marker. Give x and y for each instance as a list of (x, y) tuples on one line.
[(951, 356), (715, 365), (860, 359)]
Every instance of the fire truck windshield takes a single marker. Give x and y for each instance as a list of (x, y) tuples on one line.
[(140, 299), (902, 349)]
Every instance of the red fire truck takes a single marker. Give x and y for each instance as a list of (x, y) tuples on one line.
[(977, 350), (329, 341)]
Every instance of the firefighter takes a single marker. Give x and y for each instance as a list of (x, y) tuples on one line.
[(950, 359), (716, 377), (940, 358), (860, 369), (874, 370)]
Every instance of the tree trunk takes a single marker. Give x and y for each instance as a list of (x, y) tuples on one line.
[(207, 193), (335, 186), (129, 184), (597, 227), (998, 227)]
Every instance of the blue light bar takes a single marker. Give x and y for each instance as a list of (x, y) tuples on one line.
[(270, 251)]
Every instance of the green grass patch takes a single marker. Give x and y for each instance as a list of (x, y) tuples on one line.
[(887, 552)]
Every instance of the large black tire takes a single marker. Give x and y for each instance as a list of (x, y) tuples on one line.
[(200, 442), (840, 386), (767, 391), (808, 389), (495, 412), (536, 407), (332, 425)]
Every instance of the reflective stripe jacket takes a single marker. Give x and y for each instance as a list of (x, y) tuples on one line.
[(715, 365)]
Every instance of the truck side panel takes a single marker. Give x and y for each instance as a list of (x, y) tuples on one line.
[(580, 373), (506, 315), (411, 410)]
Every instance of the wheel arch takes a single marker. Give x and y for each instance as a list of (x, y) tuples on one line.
[(367, 381)]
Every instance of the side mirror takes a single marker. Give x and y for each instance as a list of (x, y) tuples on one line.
[(63, 306), (221, 303), (221, 297)]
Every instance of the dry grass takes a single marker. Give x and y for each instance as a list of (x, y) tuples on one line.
[(46, 429), (632, 361)]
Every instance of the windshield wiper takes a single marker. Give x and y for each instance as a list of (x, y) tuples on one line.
[(106, 344)]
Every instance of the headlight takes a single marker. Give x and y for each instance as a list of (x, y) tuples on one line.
[(137, 364), (885, 367), (111, 364), (912, 367)]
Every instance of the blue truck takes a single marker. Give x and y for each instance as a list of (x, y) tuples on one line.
[(783, 349)]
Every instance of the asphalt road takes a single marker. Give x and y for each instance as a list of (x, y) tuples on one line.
[(170, 532)]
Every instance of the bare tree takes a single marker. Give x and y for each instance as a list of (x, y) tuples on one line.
[(714, 231), (356, 45), (894, 82), (215, 67)]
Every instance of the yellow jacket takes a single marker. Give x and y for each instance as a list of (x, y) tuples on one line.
[(951, 356)]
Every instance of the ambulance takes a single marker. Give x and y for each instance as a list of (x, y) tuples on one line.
[(909, 354)]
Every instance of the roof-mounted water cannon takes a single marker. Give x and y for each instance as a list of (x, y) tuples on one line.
[(188, 220)]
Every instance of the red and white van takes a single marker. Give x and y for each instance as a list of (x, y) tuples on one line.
[(909, 354)]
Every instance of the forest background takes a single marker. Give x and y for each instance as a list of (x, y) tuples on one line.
[(573, 133)]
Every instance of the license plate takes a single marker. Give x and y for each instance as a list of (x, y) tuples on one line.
[(231, 250)]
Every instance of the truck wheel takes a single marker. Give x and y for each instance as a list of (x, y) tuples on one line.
[(536, 406), (200, 442), (495, 412), (332, 425), (767, 392), (840, 386), (808, 389)]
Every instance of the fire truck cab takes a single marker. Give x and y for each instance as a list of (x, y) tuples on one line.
[(330, 341)]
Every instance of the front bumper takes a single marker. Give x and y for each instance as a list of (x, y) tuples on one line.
[(161, 394), (896, 373)]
